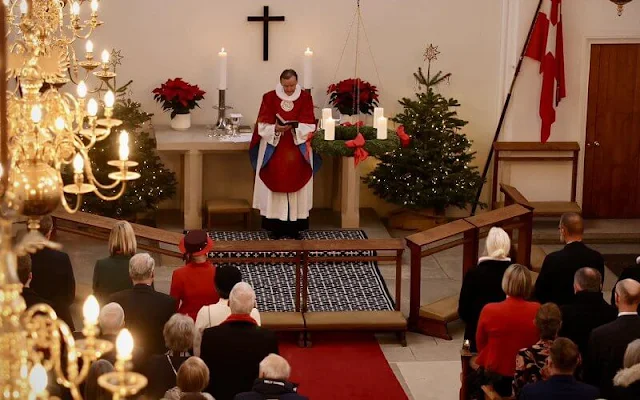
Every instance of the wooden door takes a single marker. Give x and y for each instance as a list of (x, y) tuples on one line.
[(612, 153)]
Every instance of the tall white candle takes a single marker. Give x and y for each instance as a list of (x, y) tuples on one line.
[(308, 69), (222, 56), (329, 129), (382, 128), (326, 113), (377, 113)]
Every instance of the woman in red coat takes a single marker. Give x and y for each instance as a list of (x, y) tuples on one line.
[(192, 285), (506, 327)]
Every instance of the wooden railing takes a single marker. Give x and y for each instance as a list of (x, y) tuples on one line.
[(466, 232)]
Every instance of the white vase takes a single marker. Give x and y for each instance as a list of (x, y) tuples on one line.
[(181, 122)]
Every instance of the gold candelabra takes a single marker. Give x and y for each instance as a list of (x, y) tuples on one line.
[(43, 129), (50, 128)]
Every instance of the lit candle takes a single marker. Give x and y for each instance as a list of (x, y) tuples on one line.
[(377, 113), (91, 308), (82, 90), (36, 114), (124, 146), (24, 7), (329, 129), (326, 113), (94, 6), (109, 99), (89, 49), (92, 107), (75, 8), (59, 124), (222, 57), (308, 69), (78, 167), (124, 345), (38, 380), (382, 128), (105, 56)]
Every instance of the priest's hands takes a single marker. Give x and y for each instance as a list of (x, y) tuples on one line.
[(282, 128)]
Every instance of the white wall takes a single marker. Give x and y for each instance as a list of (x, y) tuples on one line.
[(585, 22), (479, 40)]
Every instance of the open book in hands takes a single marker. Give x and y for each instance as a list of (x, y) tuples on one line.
[(281, 121)]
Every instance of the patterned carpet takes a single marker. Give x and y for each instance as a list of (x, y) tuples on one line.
[(333, 286)]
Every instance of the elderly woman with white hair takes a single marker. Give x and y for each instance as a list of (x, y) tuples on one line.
[(273, 381), (483, 284), (111, 274), (627, 381), (161, 369)]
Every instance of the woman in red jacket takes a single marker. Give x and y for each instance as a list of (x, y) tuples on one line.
[(192, 285), (506, 327)]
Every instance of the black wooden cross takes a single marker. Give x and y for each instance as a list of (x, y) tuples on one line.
[(265, 19)]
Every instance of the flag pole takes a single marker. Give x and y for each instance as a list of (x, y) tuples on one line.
[(505, 108)]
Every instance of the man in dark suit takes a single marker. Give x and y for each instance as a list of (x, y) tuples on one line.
[(632, 272), (234, 349), (587, 311), (53, 275), (555, 283), (145, 310), (562, 362), (608, 343), (24, 274)]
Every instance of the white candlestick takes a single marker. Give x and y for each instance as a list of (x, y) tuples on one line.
[(222, 57), (382, 128), (377, 113), (327, 113), (308, 69), (329, 129)]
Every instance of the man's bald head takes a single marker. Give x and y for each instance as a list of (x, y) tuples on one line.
[(572, 224), (588, 280), (628, 295)]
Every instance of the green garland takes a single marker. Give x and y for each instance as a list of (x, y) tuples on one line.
[(338, 148)]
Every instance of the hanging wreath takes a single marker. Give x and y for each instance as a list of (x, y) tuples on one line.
[(344, 134)]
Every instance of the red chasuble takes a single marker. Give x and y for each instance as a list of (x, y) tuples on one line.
[(287, 171)]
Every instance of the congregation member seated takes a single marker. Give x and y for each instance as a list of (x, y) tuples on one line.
[(531, 362), (588, 309), (111, 274), (504, 328), (482, 285), (555, 283), (273, 381), (192, 284), (192, 378), (608, 343), (92, 390), (233, 350), (110, 321), (563, 359), (627, 381), (225, 279), (631, 272), (161, 368), (25, 276), (53, 277), (146, 311)]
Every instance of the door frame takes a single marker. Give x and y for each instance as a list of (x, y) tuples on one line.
[(584, 95)]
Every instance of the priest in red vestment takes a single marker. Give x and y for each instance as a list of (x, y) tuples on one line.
[(282, 158)]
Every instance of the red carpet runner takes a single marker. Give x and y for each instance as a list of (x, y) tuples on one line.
[(341, 366)]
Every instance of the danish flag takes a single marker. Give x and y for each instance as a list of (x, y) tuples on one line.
[(546, 46)]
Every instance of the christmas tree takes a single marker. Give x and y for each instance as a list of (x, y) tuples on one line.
[(432, 171), (156, 183)]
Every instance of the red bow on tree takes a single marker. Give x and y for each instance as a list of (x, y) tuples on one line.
[(359, 154), (404, 138), (358, 124)]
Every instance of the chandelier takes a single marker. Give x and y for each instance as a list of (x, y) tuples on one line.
[(42, 130), (49, 127), (620, 4)]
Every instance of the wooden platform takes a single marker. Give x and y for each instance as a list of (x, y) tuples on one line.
[(548, 208)]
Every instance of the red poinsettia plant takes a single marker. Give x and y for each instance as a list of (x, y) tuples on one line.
[(178, 96), (351, 95)]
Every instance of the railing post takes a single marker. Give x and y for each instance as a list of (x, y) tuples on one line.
[(415, 282)]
